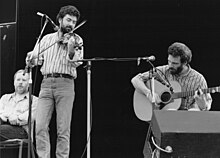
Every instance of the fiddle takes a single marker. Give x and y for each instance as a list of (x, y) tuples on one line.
[(71, 41), (67, 36)]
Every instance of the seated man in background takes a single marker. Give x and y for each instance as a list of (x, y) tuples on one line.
[(14, 109)]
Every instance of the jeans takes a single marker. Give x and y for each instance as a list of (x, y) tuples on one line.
[(58, 94)]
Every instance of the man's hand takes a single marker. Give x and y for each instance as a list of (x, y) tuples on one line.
[(71, 47), (200, 99), (3, 117), (65, 38), (30, 62), (157, 98), (154, 98), (13, 119), (28, 57)]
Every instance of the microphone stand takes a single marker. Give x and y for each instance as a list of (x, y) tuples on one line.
[(152, 77), (88, 106), (30, 145), (88, 66), (152, 85)]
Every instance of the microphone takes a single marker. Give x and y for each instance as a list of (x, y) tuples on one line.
[(150, 58), (55, 27), (25, 70)]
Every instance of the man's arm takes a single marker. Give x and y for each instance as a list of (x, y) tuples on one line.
[(1, 105), (4, 114), (139, 84), (2, 117), (32, 56), (75, 50), (202, 101)]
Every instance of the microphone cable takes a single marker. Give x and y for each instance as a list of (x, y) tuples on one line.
[(165, 79)]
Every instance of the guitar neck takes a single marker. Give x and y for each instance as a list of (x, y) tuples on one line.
[(192, 93)]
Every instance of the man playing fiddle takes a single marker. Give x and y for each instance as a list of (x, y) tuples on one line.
[(59, 63)]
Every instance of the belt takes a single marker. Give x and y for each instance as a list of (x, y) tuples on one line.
[(57, 75)]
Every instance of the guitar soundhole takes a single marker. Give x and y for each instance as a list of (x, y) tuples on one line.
[(165, 97)]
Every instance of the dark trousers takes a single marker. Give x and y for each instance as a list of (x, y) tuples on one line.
[(8, 131)]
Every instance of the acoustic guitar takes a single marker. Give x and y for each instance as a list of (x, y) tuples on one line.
[(171, 99)]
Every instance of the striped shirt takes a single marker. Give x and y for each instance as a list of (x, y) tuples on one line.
[(190, 81), (55, 58)]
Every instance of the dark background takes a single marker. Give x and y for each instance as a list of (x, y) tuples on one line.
[(114, 29)]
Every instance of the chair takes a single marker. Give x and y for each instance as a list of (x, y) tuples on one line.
[(19, 143), (14, 143)]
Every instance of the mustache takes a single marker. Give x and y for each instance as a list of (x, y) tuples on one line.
[(69, 27), (171, 68), (20, 85), (66, 29)]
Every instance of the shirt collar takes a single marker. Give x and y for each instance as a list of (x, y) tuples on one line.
[(26, 96)]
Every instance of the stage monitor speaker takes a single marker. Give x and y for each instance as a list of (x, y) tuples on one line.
[(190, 134)]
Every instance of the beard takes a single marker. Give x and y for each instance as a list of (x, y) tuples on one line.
[(66, 29), (176, 71), (21, 89)]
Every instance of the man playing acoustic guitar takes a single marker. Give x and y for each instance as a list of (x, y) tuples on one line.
[(175, 83)]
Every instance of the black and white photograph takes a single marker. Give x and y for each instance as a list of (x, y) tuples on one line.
[(109, 79)]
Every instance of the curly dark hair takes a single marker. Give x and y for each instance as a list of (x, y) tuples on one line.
[(69, 9), (180, 49)]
